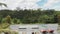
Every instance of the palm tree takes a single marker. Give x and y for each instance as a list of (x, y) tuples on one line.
[(3, 4)]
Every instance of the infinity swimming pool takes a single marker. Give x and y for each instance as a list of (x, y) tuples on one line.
[(34, 28)]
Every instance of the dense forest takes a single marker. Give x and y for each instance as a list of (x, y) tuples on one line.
[(29, 16)]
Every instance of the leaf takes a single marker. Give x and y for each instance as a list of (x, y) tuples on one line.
[(3, 4)]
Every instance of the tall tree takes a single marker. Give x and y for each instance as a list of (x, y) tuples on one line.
[(8, 19)]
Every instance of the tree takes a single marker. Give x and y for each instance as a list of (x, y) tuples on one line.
[(15, 21), (55, 19), (8, 19), (0, 19)]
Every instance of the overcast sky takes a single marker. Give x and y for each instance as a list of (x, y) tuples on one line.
[(32, 4)]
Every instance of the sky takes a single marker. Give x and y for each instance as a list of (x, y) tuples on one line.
[(31, 4)]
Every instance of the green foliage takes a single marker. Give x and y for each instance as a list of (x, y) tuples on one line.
[(8, 19), (3, 4), (29, 16), (8, 31), (0, 19), (4, 25), (19, 22), (15, 21)]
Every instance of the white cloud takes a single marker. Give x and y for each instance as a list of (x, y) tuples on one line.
[(50, 4), (28, 4), (12, 4)]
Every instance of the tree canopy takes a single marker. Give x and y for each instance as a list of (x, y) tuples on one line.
[(30, 16)]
